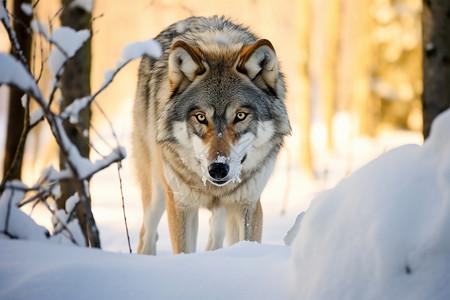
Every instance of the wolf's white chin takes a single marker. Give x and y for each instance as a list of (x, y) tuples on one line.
[(219, 183)]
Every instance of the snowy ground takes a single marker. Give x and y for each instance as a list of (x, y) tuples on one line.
[(31, 270), (381, 233)]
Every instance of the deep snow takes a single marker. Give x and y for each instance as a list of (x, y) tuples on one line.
[(31, 270), (381, 233)]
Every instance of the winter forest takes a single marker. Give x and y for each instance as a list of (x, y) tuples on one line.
[(358, 204)]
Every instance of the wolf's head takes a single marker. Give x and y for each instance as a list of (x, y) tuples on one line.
[(225, 115)]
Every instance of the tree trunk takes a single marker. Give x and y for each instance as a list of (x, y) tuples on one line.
[(16, 112), (75, 84), (353, 80), (303, 25), (436, 60), (324, 58)]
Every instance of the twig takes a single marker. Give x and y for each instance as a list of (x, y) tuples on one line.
[(45, 185), (100, 137), (11, 236), (108, 121), (41, 71), (58, 12), (119, 166), (36, 3), (8, 212), (12, 37), (42, 193), (63, 225)]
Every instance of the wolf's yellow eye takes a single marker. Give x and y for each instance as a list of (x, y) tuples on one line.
[(240, 116), (201, 118)]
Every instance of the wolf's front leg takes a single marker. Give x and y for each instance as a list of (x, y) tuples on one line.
[(244, 222), (154, 205), (216, 228), (183, 226)]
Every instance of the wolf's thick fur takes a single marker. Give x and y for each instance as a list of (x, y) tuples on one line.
[(209, 121)]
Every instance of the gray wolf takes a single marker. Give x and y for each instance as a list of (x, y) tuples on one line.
[(208, 122)]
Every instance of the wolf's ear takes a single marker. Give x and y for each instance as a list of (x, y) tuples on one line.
[(259, 62), (185, 63)]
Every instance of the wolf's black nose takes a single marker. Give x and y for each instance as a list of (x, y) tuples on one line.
[(218, 171)]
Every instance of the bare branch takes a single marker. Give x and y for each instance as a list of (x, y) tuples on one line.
[(4, 17), (63, 224), (119, 166), (79, 169)]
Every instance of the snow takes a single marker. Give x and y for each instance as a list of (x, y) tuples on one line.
[(108, 76), (14, 220), (292, 233), (83, 166), (381, 233), (244, 271), (61, 220), (27, 9), (87, 5), (36, 115), (24, 100), (71, 202), (52, 175), (3, 13), (17, 75), (131, 52), (137, 49), (384, 232), (73, 110), (66, 43), (39, 27)]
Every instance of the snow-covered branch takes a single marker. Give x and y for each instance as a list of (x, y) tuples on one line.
[(14, 195)]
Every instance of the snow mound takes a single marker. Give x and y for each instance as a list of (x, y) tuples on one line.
[(384, 232), (14, 221), (34, 270)]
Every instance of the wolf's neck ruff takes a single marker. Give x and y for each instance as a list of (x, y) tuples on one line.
[(209, 121)]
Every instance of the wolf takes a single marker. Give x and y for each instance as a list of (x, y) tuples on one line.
[(209, 120)]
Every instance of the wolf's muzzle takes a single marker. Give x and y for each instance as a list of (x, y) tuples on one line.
[(218, 171)]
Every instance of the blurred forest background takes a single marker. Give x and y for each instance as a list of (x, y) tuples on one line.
[(353, 67)]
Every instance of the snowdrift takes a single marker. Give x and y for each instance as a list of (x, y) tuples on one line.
[(384, 232), (32, 270)]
